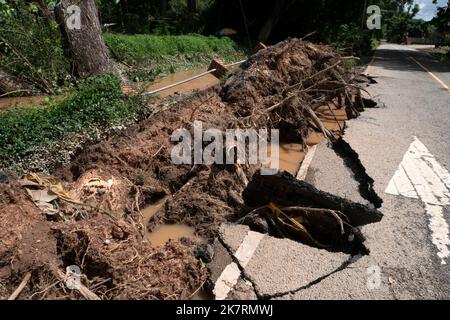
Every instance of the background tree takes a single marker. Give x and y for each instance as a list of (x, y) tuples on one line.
[(86, 47), (442, 19)]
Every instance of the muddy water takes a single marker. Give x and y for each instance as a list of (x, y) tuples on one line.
[(293, 154), (149, 211), (328, 119), (166, 232), (14, 102), (197, 84), (291, 157), (201, 295)]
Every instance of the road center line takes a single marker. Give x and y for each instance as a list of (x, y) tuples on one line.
[(442, 83)]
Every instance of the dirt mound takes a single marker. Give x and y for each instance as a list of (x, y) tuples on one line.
[(122, 177), (25, 242), (283, 86), (114, 261), (264, 78)]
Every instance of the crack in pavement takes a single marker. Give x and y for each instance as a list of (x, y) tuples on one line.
[(344, 266), (235, 260), (352, 161), (261, 296)]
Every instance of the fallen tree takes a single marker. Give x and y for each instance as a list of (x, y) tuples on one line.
[(11, 85), (284, 86)]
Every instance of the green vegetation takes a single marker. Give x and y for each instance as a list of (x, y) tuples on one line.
[(98, 103), (31, 46), (152, 56), (144, 47), (442, 18), (374, 43), (142, 17), (441, 53)]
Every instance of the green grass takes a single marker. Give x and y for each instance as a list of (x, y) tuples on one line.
[(441, 54), (98, 103), (152, 56), (374, 43)]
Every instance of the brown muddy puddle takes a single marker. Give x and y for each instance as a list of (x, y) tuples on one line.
[(293, 154), (196, 84), (163, 233), (200, 295), (149, 211), (14, 102)]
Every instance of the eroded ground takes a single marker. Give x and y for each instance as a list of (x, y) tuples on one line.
[(116, 196)]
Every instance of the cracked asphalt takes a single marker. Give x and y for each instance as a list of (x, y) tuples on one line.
[(403, 261)]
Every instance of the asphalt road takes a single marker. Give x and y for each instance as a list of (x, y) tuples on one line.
[(417, 104), (411, 87), (409, 249)]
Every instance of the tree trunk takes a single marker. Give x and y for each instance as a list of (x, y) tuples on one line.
[(272, 21), (192, 6), (10, 84), (163, 7), (84, 41)]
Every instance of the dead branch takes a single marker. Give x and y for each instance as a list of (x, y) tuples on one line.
[(21, 286), (83, 290)]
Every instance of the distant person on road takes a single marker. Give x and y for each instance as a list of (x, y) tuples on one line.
[(406, 39)]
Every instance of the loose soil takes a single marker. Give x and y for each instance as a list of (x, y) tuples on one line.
[(116, 258)]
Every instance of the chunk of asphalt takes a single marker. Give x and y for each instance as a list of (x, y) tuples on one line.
[(328, 172), (243, 290), (362, 280), (285, 190), (233, 235), (221, 259), (280, 266)]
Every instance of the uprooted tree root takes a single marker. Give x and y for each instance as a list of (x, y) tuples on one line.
[(280, 87), (285, 86), (286, 207)]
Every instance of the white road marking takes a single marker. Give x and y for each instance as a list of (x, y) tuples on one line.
[(231, 274), (420, 176), (248, 247), (303, 171), (226, 281), (366, 72)]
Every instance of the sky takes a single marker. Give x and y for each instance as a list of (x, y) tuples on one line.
[(428, 9)]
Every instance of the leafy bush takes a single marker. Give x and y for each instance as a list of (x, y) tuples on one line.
[(98, 103), (353, 37), (374, 43), (31, 46), (137, 16)]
